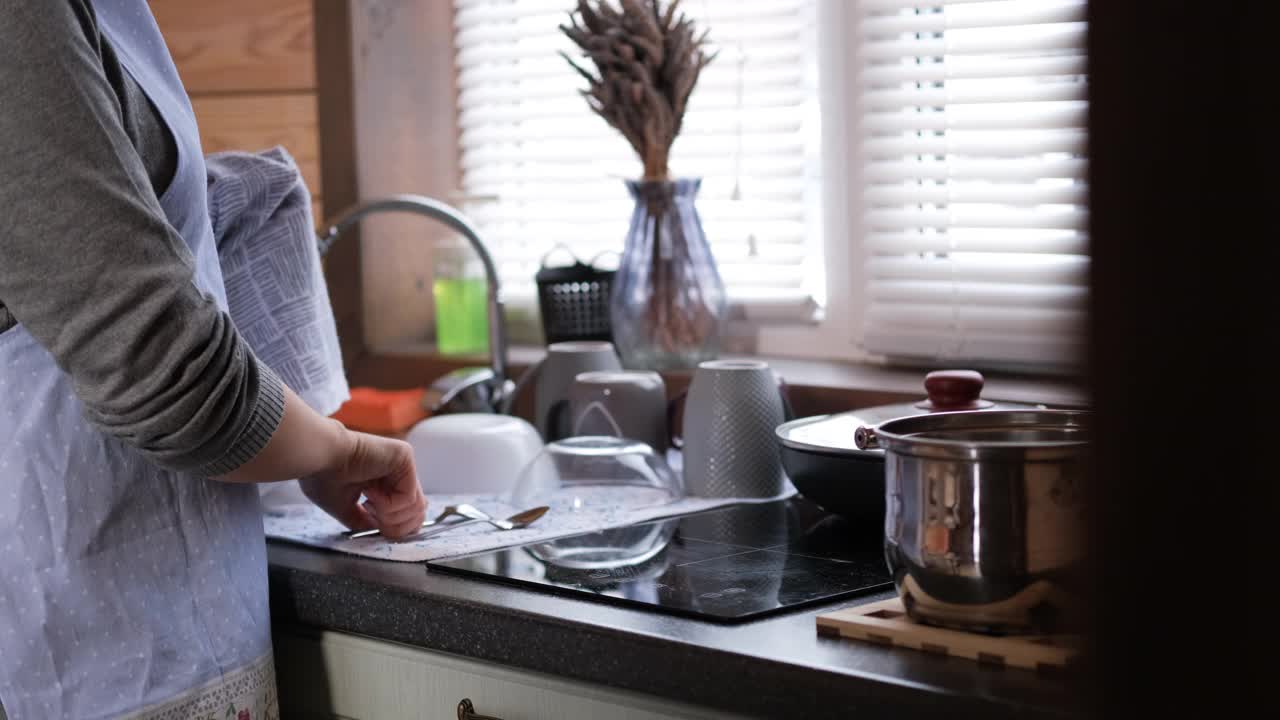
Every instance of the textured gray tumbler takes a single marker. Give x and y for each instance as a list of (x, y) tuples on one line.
[(730, 449)]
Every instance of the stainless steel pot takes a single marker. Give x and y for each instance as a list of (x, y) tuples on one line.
[(984, 520), (826, 466)]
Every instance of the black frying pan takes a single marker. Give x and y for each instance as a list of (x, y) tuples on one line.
[(825, 466)]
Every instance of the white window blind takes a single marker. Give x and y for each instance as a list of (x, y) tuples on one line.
[(541, 169), (973, 179)]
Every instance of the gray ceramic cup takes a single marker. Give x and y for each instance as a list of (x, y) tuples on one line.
[(630, 404), (730, 449), (564, 362)]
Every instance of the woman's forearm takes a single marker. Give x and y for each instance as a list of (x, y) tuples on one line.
[(304, 443)]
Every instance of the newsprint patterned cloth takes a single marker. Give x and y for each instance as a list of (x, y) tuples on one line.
[(261, 212)]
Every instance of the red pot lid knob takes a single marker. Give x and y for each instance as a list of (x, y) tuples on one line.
[(953, 390)]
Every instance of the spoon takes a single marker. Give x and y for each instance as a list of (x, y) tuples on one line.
[(521, 519), (475, 513), (463, 510)]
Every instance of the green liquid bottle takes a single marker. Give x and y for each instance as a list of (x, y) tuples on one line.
[(462, 311)]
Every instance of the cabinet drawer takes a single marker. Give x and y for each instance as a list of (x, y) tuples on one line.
[(335, 675)]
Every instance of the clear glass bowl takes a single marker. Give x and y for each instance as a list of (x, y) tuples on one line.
[(596, 472), (616, 549)]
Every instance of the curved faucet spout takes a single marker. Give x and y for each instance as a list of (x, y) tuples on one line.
[(450, 216)]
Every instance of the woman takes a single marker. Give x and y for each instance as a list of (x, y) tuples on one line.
[(133, 418)]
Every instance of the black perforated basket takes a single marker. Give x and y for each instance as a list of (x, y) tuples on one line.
[(574, 300)]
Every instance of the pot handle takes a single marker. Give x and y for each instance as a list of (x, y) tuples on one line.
[(865, 438)]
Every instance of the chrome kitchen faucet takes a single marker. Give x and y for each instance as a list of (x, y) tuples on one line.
[(472, 389)]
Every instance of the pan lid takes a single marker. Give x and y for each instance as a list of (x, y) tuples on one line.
[(948, 391)]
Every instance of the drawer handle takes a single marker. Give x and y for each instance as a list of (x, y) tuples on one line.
[(467, 711)]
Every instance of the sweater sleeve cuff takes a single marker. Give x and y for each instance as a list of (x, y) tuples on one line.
[(268, 411)]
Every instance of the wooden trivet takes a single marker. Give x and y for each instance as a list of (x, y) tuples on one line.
[(886, 623)]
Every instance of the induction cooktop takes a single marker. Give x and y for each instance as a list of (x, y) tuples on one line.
[(728, 565)]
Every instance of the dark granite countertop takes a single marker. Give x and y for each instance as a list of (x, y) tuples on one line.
[(773, 667)]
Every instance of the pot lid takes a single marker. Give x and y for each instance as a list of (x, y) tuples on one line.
[(948, 391), (1034, 434)]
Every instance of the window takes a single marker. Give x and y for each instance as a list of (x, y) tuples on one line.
[(540, 169), (972, 165), (959, 169)]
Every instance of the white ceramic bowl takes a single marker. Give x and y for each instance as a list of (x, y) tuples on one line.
[(472, 452)]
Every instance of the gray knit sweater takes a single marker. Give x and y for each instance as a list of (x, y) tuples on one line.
[(90, 266)]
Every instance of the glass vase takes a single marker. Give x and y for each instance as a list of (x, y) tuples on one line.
[(668, 304)]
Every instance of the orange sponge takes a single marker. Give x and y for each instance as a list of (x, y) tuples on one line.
[(382, 411)]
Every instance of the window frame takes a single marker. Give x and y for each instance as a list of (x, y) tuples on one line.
[(836, 334), (821, 360), (747, 318)]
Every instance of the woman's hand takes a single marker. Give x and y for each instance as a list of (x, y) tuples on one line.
[(382, 470), (336, 466)]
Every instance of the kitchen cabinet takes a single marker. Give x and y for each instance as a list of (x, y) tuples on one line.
[(324, 674)]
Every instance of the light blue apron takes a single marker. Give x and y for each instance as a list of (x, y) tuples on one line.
[(125, 589)]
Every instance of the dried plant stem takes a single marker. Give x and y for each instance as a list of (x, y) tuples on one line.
[(647, 60), (677, 316)]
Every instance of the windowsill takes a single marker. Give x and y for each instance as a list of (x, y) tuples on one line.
[(817, 386)]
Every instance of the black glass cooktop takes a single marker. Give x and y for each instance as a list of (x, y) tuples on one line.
[(728, 565)]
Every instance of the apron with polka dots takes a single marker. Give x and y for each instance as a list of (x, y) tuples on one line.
[(126, 590)]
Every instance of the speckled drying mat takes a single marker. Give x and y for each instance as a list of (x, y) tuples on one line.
[(308, 525)]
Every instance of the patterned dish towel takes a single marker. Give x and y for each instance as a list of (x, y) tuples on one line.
[(306, 524), (278, 300)]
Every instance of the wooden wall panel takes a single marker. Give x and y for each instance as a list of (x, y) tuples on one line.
[(257, 122), (234, 46), (380, 99), (250, 69), (406, 138), (335, 99)]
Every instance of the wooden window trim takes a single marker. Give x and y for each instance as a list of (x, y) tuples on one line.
[(336, 108)]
